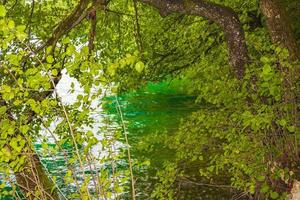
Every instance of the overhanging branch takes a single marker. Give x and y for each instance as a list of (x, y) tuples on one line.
[(223, 16), (72, 20)]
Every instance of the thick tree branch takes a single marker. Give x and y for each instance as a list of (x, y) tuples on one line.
[(92, 33), (72, 20), (225, 17)]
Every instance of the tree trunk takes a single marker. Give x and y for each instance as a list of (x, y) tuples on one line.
[(279, 27), (225, 17), (33, 180), (31, 177), (281, 33)]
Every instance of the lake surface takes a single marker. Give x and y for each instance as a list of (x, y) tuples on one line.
[(150, 114), (154, 111)]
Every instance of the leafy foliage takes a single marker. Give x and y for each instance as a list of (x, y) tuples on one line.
[(246, 131)]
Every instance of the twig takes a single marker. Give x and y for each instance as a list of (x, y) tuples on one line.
[(128, 147), (93, 17)]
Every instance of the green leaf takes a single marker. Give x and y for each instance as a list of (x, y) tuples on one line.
[(24, 129), (17, 102), (2, 110), (6, 88), (139, 66), (2, 11), (20, 34), (264, 189), (2, 185), (13, 59), (114, 89), (266, 69), (274, 195), (54, 72), (11, 24), (49, 49), (292, 129), (261, 178), (21, 28), (282, 122), (66, 40), (252, 189), (70, 50), (49, 59), (44, 145), (264, 59), (84, 51), (146, 163)]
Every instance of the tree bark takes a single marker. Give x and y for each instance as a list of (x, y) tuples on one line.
[(33, 178), (78, 14), (281, 33), (279, 28), (223, 16)]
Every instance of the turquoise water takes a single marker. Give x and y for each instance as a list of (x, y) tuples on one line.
[(150, 113)]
